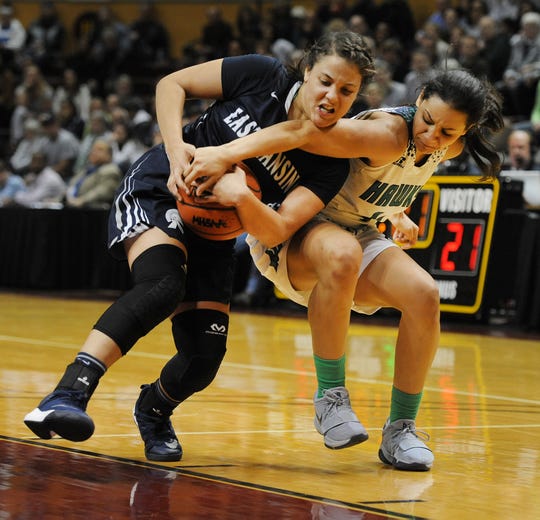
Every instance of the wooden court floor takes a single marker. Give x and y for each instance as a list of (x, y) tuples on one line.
[(250, 448)]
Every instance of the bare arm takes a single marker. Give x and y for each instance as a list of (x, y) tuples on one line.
[(211, 162), (200, 81), (406, 232), (378, 139), (267, 225)]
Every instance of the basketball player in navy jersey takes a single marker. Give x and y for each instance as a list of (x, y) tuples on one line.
[(341, 261), (179, 275)]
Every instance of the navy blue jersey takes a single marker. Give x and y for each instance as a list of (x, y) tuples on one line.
[(257, 92)]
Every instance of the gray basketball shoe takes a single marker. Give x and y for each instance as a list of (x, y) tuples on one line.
[(402, 447), (335, 420)]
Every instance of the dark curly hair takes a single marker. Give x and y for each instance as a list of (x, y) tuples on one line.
[(483, 105)]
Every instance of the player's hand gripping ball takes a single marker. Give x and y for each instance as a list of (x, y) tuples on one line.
[(212, 220)]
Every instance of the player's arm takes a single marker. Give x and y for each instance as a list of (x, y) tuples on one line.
[(267, 225), (376, 138), (200, 81), (406, 231)]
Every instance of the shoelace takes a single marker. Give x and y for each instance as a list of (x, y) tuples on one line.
[(336, 401), (160, 427), (410, 428)]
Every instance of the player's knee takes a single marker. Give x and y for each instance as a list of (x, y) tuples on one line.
[(159, 278), (160, 273), (425, 300), (201, 339), (342, 265)]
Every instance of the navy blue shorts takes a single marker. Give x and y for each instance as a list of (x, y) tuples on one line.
[(143, 201)]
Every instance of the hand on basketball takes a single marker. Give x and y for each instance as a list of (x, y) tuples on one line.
[(179, 159), (229, 188), (207, 166)]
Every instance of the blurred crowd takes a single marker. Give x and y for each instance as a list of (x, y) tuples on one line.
[(77, 108)]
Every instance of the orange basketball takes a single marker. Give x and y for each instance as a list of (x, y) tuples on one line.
[(214, 221)]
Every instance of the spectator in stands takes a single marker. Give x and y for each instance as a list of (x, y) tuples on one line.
[(94, 185), (476, 9), (454, 25), (437, 16), (329, 10), (394, 92), (248, 27), (46, 38), (79, 92), (523, 71), (96, 128), (358, 24), (399, 16), (280, 21), (520, 152), (97, 103), (8, 81), (10, 184), (107, 19), (17, 117), (108, 58), (126, 148), (421, 71), (306, 27), (503, 9), (137, 110), (12, 31), (216, 33), (150, 43), (33, 141), (469, 57), (38, 91), (495, 47), (396, 56), (382, 33), (123, 89), (44, 185), (428, 38), (85, 31), (118, 115), (61, 146), (69, 119), (372, 96), (367, 9)]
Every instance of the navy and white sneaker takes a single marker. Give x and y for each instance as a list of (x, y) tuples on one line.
[(61, 413), (157, 432)]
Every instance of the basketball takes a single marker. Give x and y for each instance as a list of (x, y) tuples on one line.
[(214, 221)]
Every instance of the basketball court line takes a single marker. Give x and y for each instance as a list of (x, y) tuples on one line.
[(262, 368)]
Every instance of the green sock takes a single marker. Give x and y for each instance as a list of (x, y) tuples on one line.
[(404, 406), (330, 373)]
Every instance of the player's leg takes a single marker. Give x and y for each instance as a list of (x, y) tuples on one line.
[(157, 264), (199, 329), (393, 279), (326, 259)]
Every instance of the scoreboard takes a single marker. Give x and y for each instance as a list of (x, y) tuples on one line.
[(456, 217)]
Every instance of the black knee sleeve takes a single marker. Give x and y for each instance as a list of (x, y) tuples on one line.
[(159, 282), (200, 336)]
